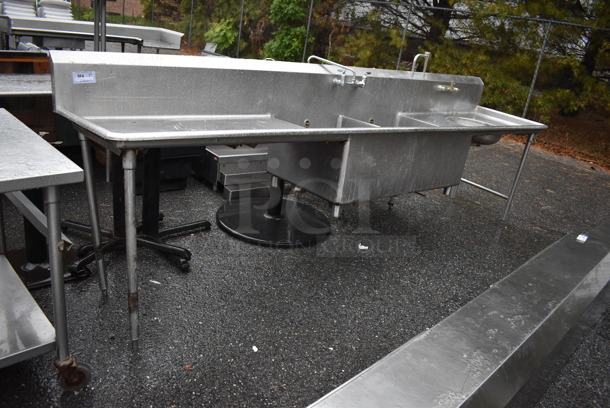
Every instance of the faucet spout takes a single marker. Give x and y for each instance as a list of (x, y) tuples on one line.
[(356, 81), (425, 56)]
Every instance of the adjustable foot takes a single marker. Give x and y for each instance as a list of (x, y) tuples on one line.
[(72, 377)]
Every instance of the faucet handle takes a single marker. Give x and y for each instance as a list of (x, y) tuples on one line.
[(447, 88)]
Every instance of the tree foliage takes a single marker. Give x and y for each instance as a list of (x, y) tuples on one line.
[(289, 37), (222, 34)]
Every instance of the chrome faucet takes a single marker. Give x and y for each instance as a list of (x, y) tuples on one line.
[(425, 56), (356, 81)]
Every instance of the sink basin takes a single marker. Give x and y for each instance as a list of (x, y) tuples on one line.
[(489, 124)]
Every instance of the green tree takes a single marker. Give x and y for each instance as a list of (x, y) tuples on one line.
[(370, 44), (289, 38), (222, 34), (214, 14)]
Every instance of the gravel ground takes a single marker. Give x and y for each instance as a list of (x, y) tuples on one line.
[(259, 327)]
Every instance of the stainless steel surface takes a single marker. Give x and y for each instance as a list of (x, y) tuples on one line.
[(154, 37), (25, 331), (370, 167), (157, 91), (219, 160), (485, 352), (30, 162), (25, 84)]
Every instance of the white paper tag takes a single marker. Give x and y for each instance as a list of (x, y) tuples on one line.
[(582, 238), (85, 77)]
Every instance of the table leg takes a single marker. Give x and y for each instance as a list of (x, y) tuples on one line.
[(55, 243), (129, 176), (95, 225), (71, 376)]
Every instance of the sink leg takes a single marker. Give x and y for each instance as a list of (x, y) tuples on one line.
[(93, 215), (526, 149), (129, 175)]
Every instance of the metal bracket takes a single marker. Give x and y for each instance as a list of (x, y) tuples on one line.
[(34, 215)]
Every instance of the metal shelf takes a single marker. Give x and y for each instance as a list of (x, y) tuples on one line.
[(25, 331)]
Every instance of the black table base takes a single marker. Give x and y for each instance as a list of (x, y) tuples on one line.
[(149, 234), (276, 223)]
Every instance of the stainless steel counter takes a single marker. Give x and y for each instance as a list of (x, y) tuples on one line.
[(154, 37), (483, 354), (25, 84)]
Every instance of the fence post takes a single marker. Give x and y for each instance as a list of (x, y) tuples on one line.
[(547, 30), (191, 22), (241, 23), (404, 35), (307, 33)]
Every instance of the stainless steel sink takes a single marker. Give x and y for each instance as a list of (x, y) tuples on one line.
[(346, 137)]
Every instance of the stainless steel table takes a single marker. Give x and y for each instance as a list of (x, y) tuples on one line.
[(29, 162)]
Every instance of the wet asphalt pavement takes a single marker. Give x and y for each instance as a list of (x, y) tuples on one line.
[(260, 327)]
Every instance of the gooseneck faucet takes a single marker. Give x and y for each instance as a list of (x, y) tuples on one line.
[(354, 81)]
